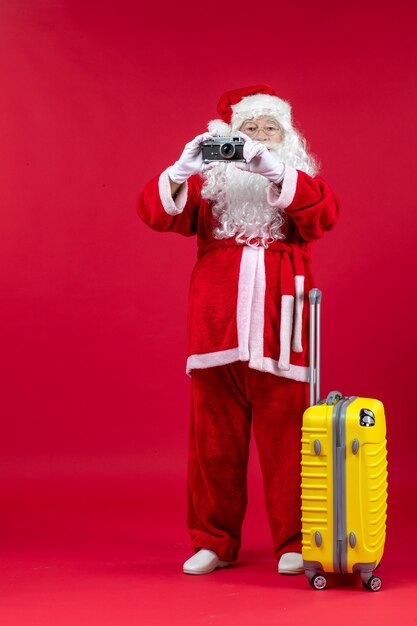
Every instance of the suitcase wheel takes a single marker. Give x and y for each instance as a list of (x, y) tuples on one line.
[(318, 581), (374, 583)]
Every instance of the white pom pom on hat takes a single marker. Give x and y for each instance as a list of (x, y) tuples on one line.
[(220, 128), (239, 104)]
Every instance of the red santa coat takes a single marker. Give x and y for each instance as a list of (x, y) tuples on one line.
[(247, 303)]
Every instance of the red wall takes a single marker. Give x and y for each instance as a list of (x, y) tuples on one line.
[(98, 97)]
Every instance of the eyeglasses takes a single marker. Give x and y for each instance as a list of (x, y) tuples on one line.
[(252, 130)]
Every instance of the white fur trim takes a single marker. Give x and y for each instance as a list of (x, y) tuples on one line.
[(171, 206), (219, 128), (246, 287), (257, 315), (298, 317), (261, 104), (211, 359), (261, 101), (285, 332), (224, 357), (281, 197)]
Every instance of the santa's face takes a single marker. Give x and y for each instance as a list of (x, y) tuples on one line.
[(263, 128)]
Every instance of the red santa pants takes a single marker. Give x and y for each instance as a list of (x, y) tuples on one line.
[(226, 402)]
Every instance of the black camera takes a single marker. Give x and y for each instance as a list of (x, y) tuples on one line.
[(223, 149)]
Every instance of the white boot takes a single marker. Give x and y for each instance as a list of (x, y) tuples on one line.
[(291, 563), (203, 562)]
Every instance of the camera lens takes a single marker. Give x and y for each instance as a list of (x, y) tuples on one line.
[(227, 150)]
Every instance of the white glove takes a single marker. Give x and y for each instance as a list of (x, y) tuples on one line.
[(191, 160), (260, 161)]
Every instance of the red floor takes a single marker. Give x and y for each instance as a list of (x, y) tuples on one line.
[(107, 558)]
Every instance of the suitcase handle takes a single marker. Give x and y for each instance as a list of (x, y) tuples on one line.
[(314, 297), (333, 397)]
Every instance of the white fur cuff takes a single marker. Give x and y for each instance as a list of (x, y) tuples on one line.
[(281, 197), (171, 206)]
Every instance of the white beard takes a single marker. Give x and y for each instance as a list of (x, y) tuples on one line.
[(240, 206)]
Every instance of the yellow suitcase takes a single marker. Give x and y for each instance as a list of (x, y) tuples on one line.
[(343, 478)]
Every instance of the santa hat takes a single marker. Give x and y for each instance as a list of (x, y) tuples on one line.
[(238, 105)]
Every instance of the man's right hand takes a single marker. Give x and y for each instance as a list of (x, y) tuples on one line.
[(191, 160)]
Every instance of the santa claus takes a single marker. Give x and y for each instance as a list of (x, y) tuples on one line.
[(255, 223)]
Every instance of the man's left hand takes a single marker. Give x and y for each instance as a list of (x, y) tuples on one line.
[(260, 161)]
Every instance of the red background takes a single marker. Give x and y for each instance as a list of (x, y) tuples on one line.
[(97, 98)]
